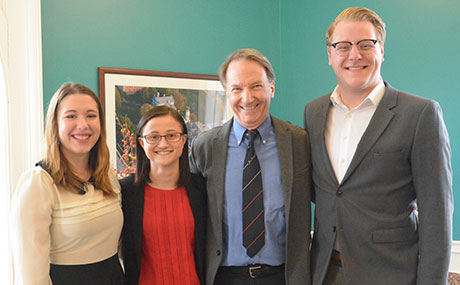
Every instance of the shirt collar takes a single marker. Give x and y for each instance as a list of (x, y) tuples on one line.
[(264, 130), (374, 97)]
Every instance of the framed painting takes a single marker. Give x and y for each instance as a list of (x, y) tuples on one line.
[(127, 94)]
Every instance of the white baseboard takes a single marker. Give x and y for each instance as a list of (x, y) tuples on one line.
[(455, 257)]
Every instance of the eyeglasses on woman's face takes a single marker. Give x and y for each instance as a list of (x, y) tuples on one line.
[(156, 138)]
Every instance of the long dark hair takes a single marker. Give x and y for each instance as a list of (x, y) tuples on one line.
[(142, 161)]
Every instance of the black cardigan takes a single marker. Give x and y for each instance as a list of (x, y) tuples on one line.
[(133, 212)]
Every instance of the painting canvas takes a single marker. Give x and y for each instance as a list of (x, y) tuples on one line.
[(128, 94)]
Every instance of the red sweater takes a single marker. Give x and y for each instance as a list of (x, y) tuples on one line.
[(168, 238)]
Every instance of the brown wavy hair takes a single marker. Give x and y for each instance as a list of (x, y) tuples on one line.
[(56, 163)]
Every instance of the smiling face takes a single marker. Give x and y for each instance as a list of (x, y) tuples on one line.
[(163, 153), (249, 92), (356, 73), (78, 124)]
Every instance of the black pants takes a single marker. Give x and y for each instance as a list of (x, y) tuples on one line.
[(106, 272), (230, 276)]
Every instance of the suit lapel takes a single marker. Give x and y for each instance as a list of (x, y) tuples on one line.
[(284, 146), (219, 155), (379, 122), (136, 202), (319, 129), (193, 200)]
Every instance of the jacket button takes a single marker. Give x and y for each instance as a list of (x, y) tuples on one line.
[(339, 193), (218, 253)]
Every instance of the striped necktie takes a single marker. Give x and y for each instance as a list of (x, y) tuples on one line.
[(253, 200)]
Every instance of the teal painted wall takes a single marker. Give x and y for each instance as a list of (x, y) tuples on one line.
[(421, 52), (180, 36)]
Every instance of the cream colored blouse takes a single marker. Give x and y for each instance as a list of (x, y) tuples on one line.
[(51, 225)]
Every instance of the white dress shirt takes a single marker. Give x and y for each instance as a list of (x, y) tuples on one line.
[(345, 128)]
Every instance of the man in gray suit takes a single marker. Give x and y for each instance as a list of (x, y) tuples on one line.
[(379, 155), (279, 253)]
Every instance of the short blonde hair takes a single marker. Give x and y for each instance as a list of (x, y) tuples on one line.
[(56, 163), (358, 14)]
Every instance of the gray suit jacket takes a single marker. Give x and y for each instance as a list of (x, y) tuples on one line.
[(209, 156), (402, 162)]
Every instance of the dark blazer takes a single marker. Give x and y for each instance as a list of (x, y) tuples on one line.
[(401, 162), (133, 212), (209, 157)]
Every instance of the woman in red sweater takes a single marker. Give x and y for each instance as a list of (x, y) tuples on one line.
[(164, 206)]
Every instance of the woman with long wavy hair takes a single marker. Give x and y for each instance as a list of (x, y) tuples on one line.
[(66, 211)]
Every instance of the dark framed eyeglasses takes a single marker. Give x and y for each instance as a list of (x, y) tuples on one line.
[(155, 138), (364, 46)]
